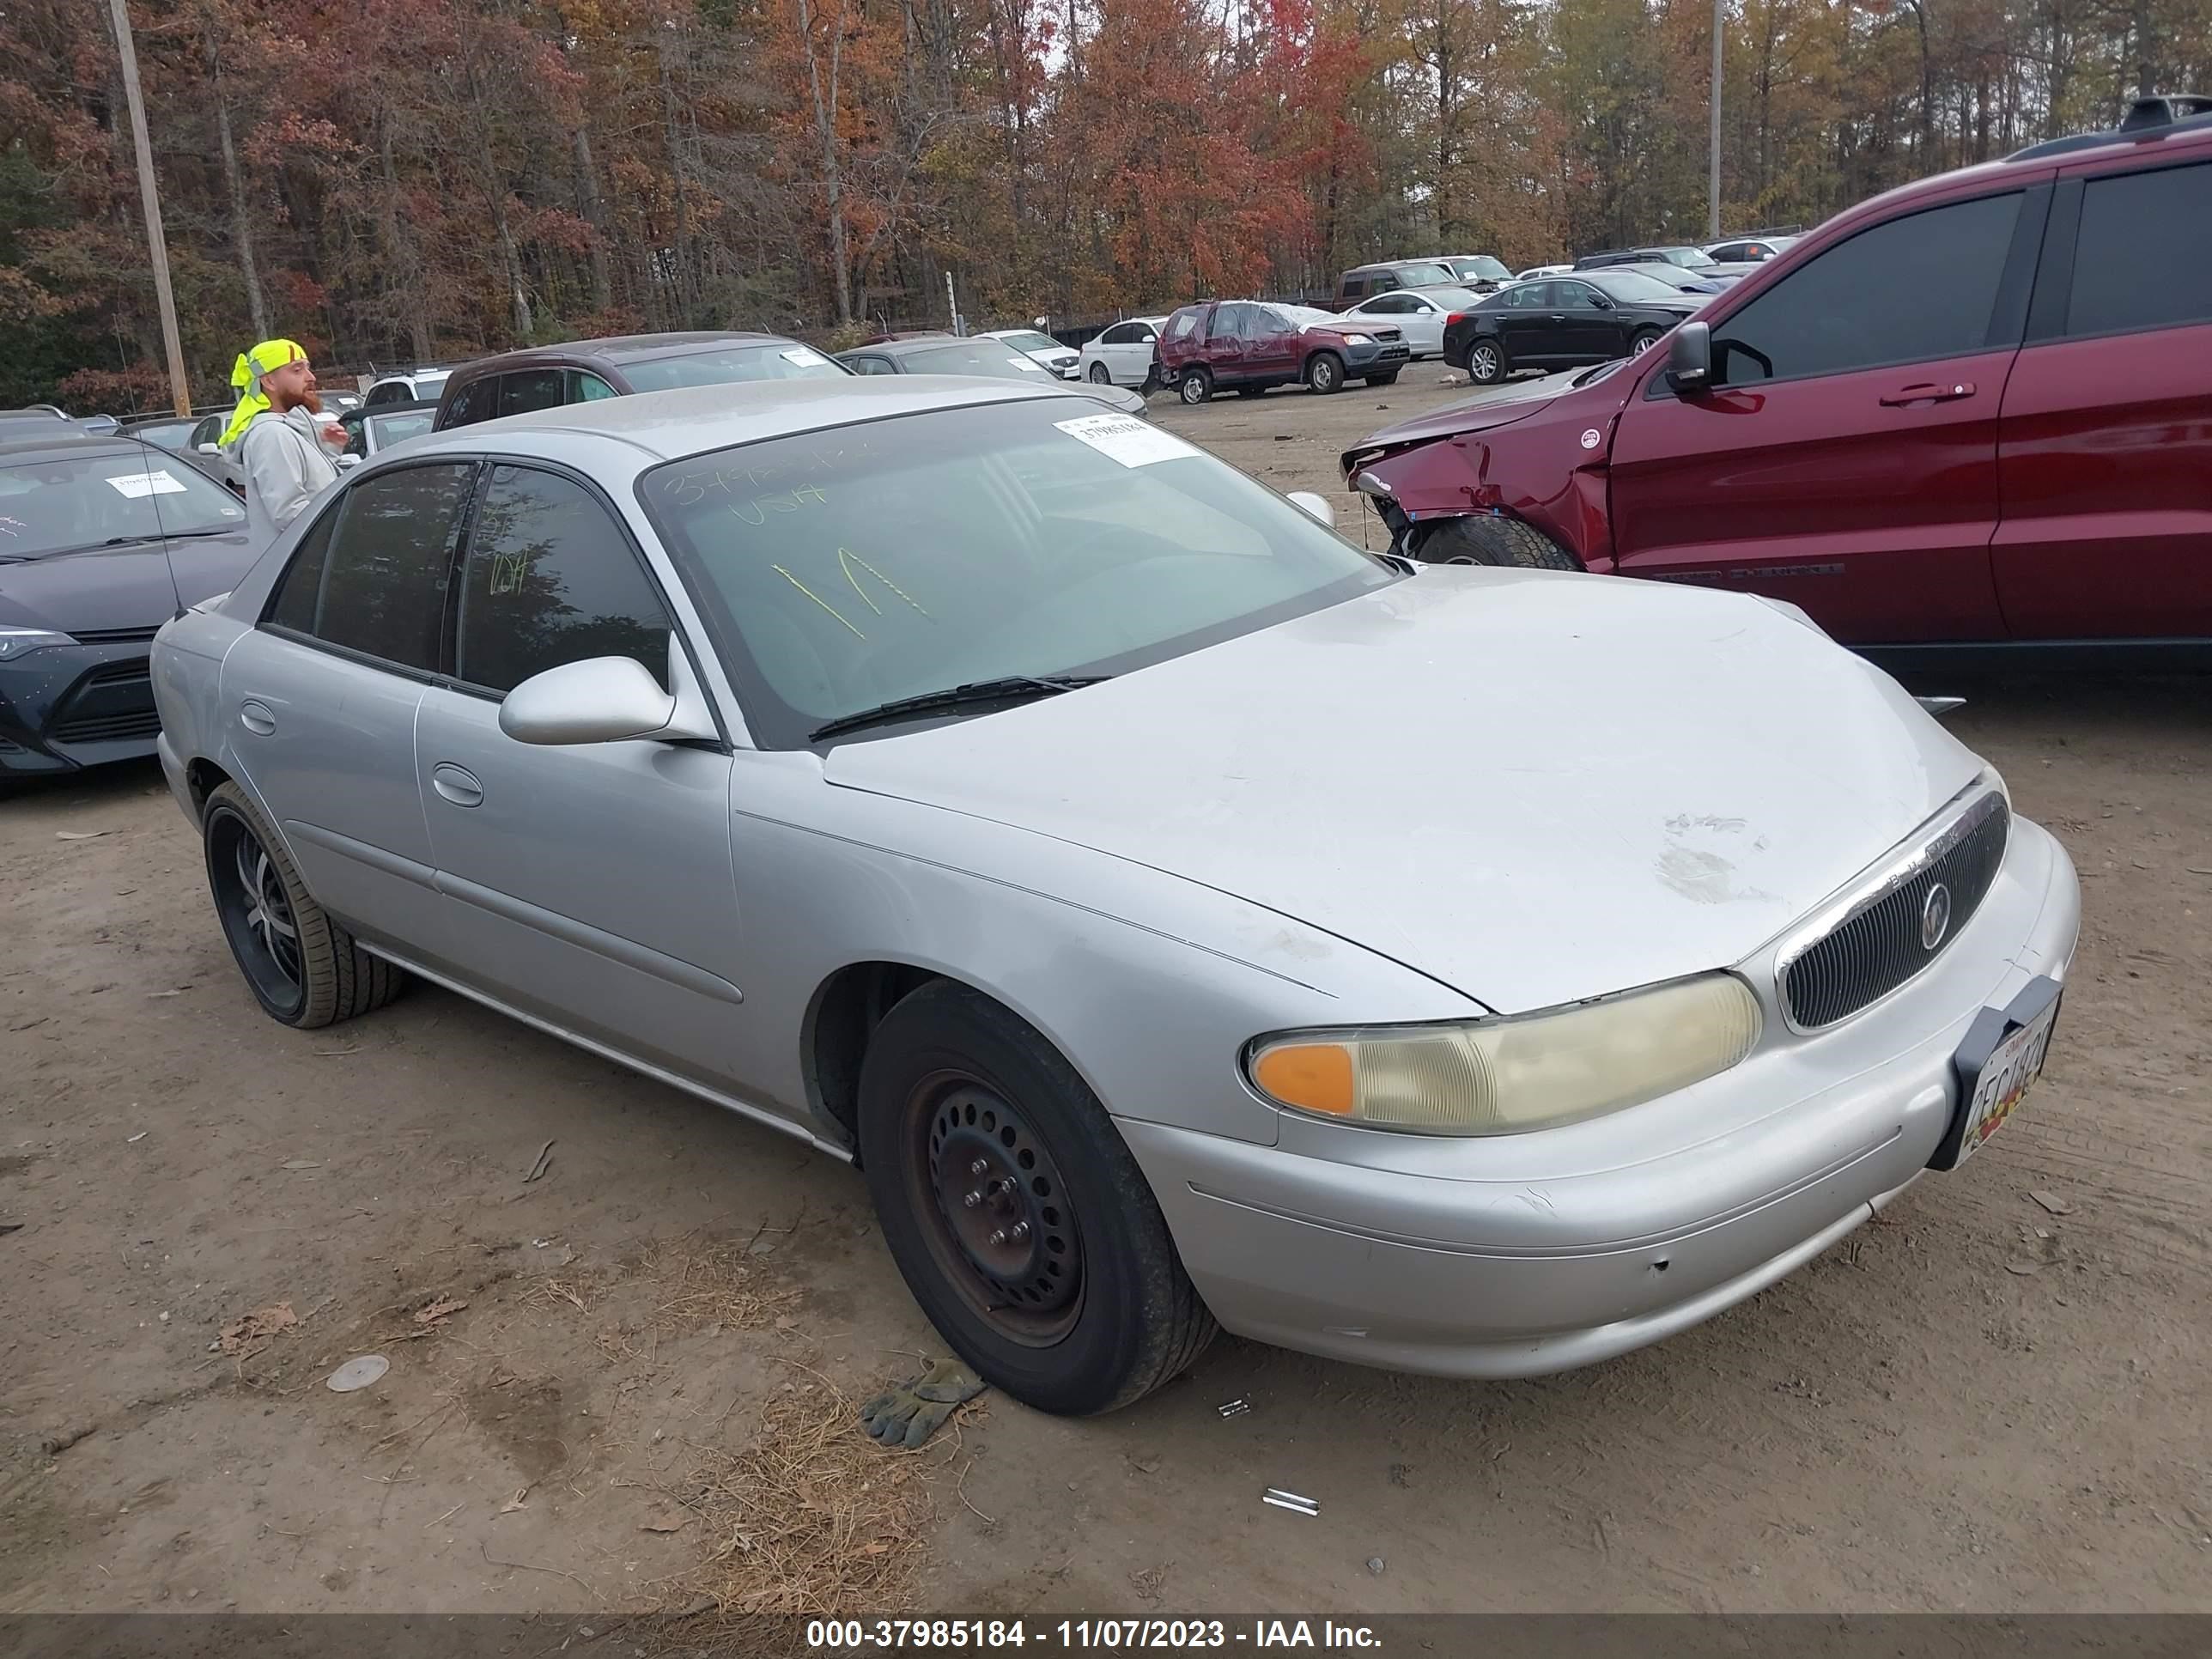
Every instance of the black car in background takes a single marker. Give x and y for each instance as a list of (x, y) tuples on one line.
[(373, 429), (585, 371), (1560, 322), (102, 539)]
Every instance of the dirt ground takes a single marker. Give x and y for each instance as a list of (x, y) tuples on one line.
[(622, 1385)]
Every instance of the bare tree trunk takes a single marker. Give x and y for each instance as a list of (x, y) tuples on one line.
[(825, 126), (685, 264), (242, 220), (595, 216), (413, 301)]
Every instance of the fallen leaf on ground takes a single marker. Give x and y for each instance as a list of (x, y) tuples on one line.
[(444, 1307), (261, 1324)]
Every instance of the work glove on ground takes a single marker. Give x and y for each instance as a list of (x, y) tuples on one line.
[(906, 1414)]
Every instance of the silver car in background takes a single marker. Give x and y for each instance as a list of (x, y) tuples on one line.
[(990, 789)]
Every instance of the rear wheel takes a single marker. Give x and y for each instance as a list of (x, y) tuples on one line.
[(1325, 373), (1197, 385), (303, 968), (1100, 375), (1485, 362), (1017, 1215), (1490, 538)]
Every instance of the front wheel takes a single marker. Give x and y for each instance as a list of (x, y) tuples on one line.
[(1196, 386), (1485, 362), (1644, 340), (303, 969), (1325, 373), (1100, 375), (1488, 539), (1014, 1210)]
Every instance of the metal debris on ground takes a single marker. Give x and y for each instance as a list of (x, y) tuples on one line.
[(358, 1373), (1233, 1408), (1290, 1500)]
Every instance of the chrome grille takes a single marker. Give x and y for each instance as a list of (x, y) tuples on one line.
[(1881, 940)]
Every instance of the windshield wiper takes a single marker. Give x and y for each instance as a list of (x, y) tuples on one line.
[(1010, 687)]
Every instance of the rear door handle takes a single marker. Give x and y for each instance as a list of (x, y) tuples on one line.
[(255, 717), (1928, 392), (457, 784)]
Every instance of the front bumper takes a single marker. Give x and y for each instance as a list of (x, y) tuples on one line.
[(1376, 357), (1530, 1253), (74, 706)]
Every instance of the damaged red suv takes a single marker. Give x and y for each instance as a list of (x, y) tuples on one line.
[(1972, 413)]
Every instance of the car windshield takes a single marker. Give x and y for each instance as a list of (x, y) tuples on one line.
[(1302, 315), (397, 429), (841, 570), (61, 505), (1672, 276), (1483, 266), (1028, 339), (169, 435), (998, 359), (1630, 287), (1423, 273), (772, 360), (1690, 257)]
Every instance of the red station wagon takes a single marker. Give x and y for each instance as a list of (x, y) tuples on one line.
[(1975, 412)]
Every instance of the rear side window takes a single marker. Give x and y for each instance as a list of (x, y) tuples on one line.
[(476, 401), (1921, 287), (1120, 334), (1354, 287), (371, 576), (550, 579), (2143, 258), (1183, 325), (870, 365)]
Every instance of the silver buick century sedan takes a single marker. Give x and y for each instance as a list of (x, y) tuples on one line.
[(1180, 916)]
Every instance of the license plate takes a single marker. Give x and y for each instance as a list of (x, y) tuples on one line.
[(2000, 1060)]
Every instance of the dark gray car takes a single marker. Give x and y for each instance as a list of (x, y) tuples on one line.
[(101, 541), (982, 354)]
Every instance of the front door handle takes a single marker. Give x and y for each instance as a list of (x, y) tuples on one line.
[(255, 716), (457, 784), (1928, 392)]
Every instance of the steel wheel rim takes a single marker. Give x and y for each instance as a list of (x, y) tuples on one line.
[(1004, 1236), (1194, 388), (1324, 374), (256, 912)]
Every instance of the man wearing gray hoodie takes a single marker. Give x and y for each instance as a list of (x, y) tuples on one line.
[(278, 437)]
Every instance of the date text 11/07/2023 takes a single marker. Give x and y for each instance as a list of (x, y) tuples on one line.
[(1096, 1634)]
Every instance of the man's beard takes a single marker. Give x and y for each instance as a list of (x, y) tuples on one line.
[(286, 401)]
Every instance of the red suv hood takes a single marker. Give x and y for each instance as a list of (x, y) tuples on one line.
[(1491, 406)]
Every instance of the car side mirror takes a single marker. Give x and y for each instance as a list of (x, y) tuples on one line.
[(346, 459), (1314, 506), (1690, 358), (598, 700), (210, 449)]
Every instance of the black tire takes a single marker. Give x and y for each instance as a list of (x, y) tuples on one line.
[(1644, 340), (1391, 378), (1325, 372), (1101, 375), (1197, 385), (314, 976), (1250, 390), (1485, 361), (1094, 1310), (1489, 538)]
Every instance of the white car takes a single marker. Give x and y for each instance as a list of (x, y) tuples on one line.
[(1124, 354), (1418, 314), (1535, 271), (1059, 359), (411, 386)]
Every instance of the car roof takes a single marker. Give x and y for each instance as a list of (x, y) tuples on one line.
[(658, 425), (618, 348), (898, 351)]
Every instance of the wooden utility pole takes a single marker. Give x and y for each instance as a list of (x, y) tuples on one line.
[(149, 198), (1713, 156)]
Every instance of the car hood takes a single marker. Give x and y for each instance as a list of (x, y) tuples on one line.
[(102, 589), (1533, 787), (1493, 406)]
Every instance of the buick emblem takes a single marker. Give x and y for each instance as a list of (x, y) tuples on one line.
[(1935, 917)]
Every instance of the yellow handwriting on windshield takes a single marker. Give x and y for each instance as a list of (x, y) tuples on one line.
[(816, 598), (846, 559)]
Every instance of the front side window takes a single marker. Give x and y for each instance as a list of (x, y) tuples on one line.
[(586, 387), (2143, 258), (550, 580), (526, 391), (1575, 296), (69, 505), (371, 576), (1921, 287), (476, 401), (843, 568), (396, 428)]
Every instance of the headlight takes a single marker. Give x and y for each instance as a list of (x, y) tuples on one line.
[(1502, 1077), (21, 641), (1358, 339)]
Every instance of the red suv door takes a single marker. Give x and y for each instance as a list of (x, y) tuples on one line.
[(2106, 453), (1846, 456)]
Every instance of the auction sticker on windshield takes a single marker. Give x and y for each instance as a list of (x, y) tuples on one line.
[(804, 356), (1126, 439), (138, 485)]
